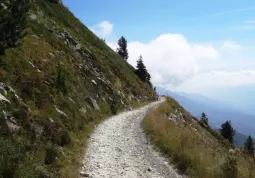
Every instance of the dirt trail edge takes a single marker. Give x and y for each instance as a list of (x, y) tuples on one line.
[(118, 148)]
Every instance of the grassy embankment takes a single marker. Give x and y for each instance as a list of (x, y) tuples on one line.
[(196, 150)]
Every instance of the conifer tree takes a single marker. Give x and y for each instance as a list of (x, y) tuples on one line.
[(204, 118), (148, 79), (227, 131), (122, 50), (142, 72), (249, 145)]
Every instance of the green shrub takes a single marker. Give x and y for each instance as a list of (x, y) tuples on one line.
[(182, 161), (55, 133), (61, 79), (50, 155), (9, 157), (21, 115), (4, 131), (65, 138), (44, 175), (229, 167), (115, 103)]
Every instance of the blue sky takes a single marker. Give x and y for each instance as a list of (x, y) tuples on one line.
[(190, 46), (143, 20)]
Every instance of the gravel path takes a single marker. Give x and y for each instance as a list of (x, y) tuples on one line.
[(118, 148)]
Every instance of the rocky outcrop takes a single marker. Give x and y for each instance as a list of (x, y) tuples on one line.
[(83, 110), (3, 6), (60, 112), (92, 103), (66, 37), (84, 174), (128, 108), (11, 123), (5, 90), (177, 117), (2, 98)]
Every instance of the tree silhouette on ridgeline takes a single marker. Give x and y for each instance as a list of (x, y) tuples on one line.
[(204, 118), (122, 50), (142, 72), (249, 145), (227, 131)]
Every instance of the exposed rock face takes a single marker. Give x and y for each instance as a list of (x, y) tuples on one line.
[(66, 37), (94, 82), (177, 117), (83, 174), (11, 123), (2, 5), (60, 112), (128, 108), (38, 130), (92, 102), (33, 17), (2, 98), (83, 110)]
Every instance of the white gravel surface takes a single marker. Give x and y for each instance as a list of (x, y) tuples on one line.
[(118, 148)]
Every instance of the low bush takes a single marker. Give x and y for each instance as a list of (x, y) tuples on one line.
[(61, 79), (50, 154), (10, 154), (65, 138), (229, 167), (115, 103)]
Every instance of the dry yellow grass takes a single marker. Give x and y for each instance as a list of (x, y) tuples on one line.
[(194, 150)]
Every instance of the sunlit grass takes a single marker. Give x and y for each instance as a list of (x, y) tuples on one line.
[(195, 153)]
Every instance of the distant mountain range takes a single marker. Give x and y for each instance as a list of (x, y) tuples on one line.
[(217, 112), (242, 97)]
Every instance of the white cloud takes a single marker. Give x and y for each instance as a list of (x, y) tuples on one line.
[(230, 50), (103, 29), (178, 64), (217, 79), (170, 58), (230, 46)]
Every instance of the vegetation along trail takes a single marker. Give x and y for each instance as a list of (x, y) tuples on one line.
[(118, 148)]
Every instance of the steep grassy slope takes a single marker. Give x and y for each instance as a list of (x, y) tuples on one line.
[(193, 147), (55, 84)]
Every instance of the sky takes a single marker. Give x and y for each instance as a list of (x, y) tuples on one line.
[(189, 46)]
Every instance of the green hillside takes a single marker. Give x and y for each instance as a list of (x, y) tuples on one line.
[(57, 81), (193, 147)]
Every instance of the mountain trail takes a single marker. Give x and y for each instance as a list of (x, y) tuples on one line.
[(119, 148)]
